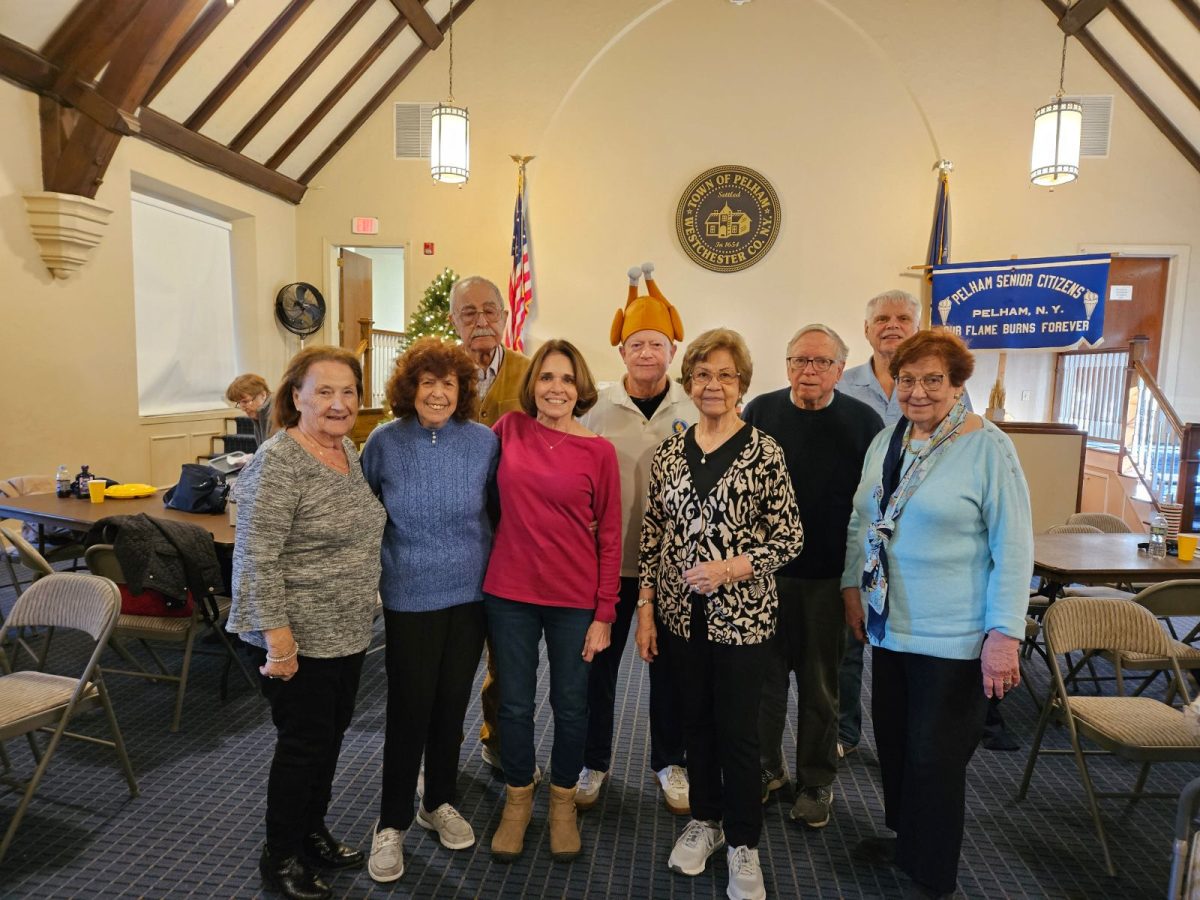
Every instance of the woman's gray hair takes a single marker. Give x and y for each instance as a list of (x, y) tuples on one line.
[(894, 297), (842, 350)]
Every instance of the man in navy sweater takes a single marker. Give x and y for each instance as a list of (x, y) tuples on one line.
[(824, 435)]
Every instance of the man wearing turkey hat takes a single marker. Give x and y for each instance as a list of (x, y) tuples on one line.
[(637, 414)]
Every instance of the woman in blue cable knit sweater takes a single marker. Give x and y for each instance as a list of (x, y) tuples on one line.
[(431, 468), (938, 560)]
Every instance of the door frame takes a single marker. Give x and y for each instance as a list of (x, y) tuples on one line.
[(1178, 259), (331, 287)]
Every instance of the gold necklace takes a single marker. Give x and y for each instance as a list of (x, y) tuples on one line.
[(549, 445), (335, 458)]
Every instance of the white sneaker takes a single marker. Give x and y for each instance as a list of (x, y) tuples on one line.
[(453, 830), (493, 759), (587, 790), (697, 843), (387, 854), (745, 874), (674, 783)]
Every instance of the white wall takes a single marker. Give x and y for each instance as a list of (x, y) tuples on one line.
[(844, 108)]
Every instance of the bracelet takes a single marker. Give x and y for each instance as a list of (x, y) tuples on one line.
[(728, 575), (280, 659)]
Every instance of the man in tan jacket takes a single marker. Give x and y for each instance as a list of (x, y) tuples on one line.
[(478, 314)]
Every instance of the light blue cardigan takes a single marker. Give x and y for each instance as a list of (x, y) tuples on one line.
[(962, 555)]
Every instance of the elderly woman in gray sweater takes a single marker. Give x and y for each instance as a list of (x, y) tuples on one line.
[(305, 573)]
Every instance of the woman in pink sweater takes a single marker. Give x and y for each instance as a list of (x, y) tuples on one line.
[(554, 572)]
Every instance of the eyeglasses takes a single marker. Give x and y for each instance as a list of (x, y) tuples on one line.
[(247, 401), (703, 377), (470, 314), (931, 383), (819, 363)]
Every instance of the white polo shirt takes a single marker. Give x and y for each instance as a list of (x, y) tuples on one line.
[(617, 418)]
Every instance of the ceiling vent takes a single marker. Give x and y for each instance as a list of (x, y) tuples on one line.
[(412, 130), (1097, 124)]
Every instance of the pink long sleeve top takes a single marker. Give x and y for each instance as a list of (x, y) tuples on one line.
[(552, 487)]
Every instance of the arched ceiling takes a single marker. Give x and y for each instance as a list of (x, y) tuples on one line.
[(268, 91)]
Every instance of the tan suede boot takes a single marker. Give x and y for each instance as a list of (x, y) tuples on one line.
[(509, 840), (564, 827)]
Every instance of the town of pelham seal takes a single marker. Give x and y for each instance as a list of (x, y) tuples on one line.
[(728, 218)]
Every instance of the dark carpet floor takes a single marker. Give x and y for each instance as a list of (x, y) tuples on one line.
[(196, 828)]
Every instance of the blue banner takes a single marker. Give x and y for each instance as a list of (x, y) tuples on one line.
[(1054, 303)]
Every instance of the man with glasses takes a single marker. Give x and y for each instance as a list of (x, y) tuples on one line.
[(637, 413), (478, 314), (252, 396), (824, 435)]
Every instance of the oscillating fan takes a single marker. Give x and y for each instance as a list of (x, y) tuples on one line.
[(300, 308)]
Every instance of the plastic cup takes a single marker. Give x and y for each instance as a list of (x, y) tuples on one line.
[(96, 488), (1187, 546)]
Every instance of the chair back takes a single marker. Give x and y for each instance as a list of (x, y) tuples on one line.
[(1108, 623), (27, 554), (1073, 529), (102, 561), (1172, 598), (1107, 523), (68, 600)]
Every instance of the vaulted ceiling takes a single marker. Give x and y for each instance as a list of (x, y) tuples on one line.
[(264, 90), (268, 91)]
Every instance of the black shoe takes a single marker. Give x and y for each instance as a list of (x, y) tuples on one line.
[(877, 851), (920, 892), (327, 852), (289, 876)]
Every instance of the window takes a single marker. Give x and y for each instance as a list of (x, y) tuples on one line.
[(183, 304)]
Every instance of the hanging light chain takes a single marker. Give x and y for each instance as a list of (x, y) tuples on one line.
[(1062, 69), (451, 39)]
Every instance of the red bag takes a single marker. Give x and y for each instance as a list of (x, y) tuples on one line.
[(151, 603)]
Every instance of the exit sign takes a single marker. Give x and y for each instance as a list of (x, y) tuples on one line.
[(364, 225)]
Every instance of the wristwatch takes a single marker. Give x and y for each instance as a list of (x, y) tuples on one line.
[(644, 601)]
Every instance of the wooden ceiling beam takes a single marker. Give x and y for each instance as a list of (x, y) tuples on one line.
[(1191, 10), (297, 78), (246, 64), (1136, 94), (422, 23), (207, 22), (383, 93), (24, 67), (135, 62), (1077, 17), (339, 91), (173, 136), (1156, 51), (94, 43)]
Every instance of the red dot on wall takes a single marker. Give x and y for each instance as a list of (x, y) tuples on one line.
[(429, 248)]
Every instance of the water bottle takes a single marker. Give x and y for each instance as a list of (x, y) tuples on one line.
[(1158, 537), (62, 482)]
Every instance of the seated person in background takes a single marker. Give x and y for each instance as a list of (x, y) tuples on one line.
[(252, 396)]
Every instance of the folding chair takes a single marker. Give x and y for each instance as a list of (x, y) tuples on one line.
[(40, 567), (37, 701), (1165, 600), (166, 629), (1135, 728)]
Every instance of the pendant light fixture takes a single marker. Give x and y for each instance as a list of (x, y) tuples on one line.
[(450, 142), (1057, 128)]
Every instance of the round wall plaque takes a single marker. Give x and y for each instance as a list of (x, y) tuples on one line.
[(728, 218)]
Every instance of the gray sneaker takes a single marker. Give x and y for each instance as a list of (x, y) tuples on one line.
[(697, 843), (813, 806), (745, 874), (387, 854), (452, 829)]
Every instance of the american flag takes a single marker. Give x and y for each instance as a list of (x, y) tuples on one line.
[(520, 279)]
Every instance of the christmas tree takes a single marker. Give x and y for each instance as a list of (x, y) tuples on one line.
[(432, 317)]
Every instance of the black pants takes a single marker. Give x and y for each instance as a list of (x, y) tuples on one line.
[(812, 623), (311, 713), (721, 685), (666, 704), (431, 662), (928, 716)]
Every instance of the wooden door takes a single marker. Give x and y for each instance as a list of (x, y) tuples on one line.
[(1144, 281), (355, 297)]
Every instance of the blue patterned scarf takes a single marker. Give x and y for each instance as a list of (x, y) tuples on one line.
[(897, 489)]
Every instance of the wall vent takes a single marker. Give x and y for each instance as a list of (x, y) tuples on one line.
[(412, 130), (1097, 124)]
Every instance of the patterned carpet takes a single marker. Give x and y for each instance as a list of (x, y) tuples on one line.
[(196, 828)]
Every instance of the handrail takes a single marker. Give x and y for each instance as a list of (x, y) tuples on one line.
[(1164, 404)]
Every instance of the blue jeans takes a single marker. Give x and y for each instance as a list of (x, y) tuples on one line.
[(516, 630)]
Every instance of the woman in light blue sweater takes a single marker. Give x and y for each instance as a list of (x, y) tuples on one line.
[(431, 468), (938, 561)]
